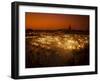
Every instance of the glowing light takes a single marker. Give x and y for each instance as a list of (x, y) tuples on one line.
[(66, 42)]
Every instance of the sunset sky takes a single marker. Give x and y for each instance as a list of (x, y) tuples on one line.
[(46, 21)]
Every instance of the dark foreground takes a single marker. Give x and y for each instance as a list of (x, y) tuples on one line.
[(47, 50)]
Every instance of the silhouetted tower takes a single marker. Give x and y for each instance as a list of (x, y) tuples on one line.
[(69, 28)]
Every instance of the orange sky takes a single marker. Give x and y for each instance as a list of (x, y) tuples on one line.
[(43, 21)]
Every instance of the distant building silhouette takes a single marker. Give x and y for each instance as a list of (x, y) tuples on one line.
[(69, 28)]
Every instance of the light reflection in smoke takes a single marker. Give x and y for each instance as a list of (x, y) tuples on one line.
[(66, 42)]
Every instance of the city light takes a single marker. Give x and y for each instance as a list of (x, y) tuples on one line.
[(65, 42)]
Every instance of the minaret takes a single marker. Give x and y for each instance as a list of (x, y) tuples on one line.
[(69, 28)]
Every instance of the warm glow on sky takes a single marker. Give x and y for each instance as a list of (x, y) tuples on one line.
[(43, 21)]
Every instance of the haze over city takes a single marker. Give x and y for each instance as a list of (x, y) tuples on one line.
[(46, 21)]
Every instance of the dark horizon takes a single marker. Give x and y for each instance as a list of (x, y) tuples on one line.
[(67, 29)]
